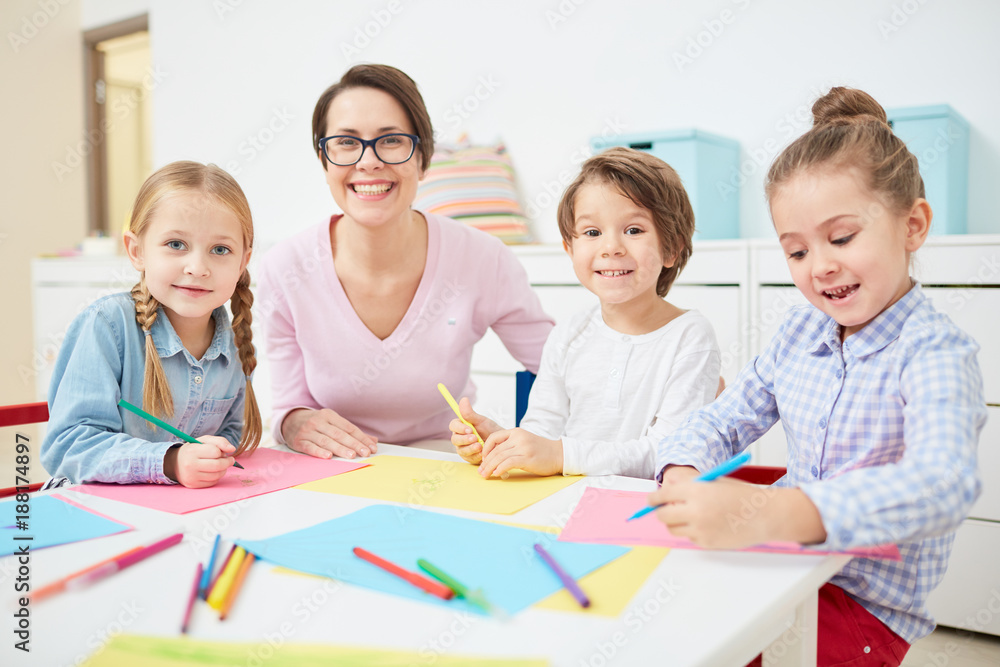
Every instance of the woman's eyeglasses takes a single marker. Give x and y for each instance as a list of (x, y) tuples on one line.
[(344, 150)]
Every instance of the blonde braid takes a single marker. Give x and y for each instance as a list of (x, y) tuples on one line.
[(240, 305), (156, 397)]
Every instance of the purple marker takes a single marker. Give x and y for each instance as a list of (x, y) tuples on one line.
[(568, 581)]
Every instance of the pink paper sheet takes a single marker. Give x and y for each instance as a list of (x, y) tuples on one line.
[(601, 516), (266, 470)]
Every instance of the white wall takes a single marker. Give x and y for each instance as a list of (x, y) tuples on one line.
[(560, 72)]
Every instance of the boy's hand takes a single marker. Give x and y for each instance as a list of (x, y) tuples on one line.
[(324, 434), (197, 465), (517, 448), (465, 441)]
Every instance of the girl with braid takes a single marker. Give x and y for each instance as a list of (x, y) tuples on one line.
[(168, 345)]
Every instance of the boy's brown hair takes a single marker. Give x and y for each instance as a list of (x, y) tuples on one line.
[(650, 183)]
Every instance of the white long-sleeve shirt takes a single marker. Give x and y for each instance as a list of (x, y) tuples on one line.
[(611, 397)]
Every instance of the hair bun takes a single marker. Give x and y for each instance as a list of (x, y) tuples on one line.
[(847, 105)]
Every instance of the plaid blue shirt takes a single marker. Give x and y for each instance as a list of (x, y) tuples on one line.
[(882, 434)]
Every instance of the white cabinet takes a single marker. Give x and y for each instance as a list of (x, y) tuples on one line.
[(61, 289), (969, 595)]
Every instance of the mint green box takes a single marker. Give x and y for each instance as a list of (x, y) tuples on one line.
[(706, 163), (939, 137)]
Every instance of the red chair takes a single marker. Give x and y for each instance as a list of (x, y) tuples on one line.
[(765, 475), (16, 415)]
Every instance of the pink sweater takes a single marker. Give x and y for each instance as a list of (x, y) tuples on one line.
[(323, 356)]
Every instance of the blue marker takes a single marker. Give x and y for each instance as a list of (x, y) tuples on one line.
[(718, 471), (206, 574)]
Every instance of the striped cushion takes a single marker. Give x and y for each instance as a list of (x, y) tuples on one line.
[(475, 185)]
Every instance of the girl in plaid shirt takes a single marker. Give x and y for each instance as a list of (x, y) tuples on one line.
[(880, 396)]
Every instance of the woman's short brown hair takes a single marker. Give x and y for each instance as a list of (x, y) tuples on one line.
[(650, 183), (387, 79)]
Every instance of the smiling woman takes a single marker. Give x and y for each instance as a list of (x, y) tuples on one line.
[(396, 298)]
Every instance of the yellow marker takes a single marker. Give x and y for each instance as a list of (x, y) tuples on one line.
[(221, 589), (454, 406)]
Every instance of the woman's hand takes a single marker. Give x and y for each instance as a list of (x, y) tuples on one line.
[(465, 441), (517, 448), (197, 465), (324, 434)]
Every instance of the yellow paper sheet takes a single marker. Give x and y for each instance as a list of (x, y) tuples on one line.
[(434, 483), (132, 650)]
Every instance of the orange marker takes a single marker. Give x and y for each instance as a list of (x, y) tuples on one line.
[(237, 583), (60, 585)]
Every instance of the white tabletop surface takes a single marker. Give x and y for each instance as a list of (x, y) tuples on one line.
[(697, 608)]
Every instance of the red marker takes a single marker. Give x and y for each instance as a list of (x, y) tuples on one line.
[(418, 580)]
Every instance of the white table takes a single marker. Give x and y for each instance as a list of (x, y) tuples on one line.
[(697, 608)]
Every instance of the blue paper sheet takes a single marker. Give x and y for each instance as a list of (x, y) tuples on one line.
[(500, 560), (51, 521)]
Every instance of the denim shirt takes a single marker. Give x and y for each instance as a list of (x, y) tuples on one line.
[(103, 359)]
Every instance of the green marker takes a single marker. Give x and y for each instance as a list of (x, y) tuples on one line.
[(164, 425), (475, 597)]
